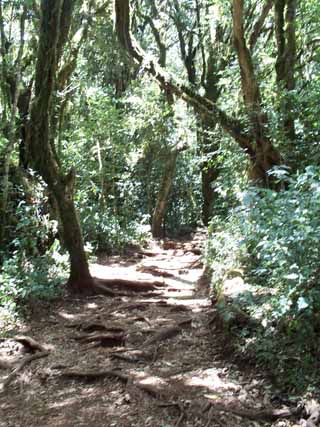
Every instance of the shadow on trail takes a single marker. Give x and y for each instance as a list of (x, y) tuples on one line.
[(137, 359)]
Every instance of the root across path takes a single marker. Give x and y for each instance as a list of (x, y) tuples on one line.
[(145, 355)]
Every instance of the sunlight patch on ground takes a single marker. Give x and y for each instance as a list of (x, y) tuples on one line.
[(66, 402), (211, 380), (67, 316)]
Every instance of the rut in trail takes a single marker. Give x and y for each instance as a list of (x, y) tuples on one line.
[(146, 356)]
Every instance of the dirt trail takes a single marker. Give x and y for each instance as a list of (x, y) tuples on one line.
[(148, 358)]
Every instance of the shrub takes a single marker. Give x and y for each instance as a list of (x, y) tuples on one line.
[(33, 265), (275, 236)]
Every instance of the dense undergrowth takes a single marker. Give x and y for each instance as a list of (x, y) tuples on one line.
[(272, 240)]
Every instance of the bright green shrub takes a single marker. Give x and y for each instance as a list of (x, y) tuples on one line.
[(34, 265), (275, 238)]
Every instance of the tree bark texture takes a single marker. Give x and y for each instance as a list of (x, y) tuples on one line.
[(163, 195), (285, 16), (11, 127), (264, 156), (209, 167), (40, 149)]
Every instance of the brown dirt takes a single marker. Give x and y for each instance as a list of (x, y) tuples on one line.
[(178, 367)]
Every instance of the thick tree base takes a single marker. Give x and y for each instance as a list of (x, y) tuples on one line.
[(83, 286)]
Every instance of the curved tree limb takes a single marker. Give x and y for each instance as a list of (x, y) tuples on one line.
[(230, 125), (258, 26)]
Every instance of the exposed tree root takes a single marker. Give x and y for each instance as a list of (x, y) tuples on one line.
[(29, 343), (93, 375), (141, 306), (132, 285), (266, 415), (149, 253), (98, 326), (106, 340), (163, 334), (195, 251), (133, 356), (170, 244), (20, 366), (151, 269), (179, 308), (127, 379), (104, 290)]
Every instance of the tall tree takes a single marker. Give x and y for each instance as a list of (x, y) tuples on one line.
[(55, 22), (10, 86), (285, 16)]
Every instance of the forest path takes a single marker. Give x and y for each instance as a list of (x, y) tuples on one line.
[(149, 358)]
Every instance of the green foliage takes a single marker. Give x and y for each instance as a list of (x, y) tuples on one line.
[(183, 210), (34, 265), (25, 277), (282, 235), (275, 237)]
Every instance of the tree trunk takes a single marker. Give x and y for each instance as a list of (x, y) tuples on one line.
[(163, 195), (285, 15), (209, 168), (40, 147), (263, 156), (12, 123), (80, 279)]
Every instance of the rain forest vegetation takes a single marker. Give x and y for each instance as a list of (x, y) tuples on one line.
[(123, 121)]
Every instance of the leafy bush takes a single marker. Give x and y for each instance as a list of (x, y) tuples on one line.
[(282, 233), (34, 265), (275, 236)]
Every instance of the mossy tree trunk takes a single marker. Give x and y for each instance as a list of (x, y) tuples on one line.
[(39, 141), (285, 16), (263, 155), (163, 195), (209, 169), (11, 95)]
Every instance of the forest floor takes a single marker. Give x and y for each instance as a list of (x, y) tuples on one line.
[(153, 357)]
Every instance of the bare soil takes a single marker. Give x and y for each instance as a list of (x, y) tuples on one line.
[(149, 358)]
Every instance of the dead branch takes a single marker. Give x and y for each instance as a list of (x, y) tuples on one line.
[(20, 366)]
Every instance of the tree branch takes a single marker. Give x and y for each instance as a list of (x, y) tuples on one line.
[(258, 26), (232, 126)]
